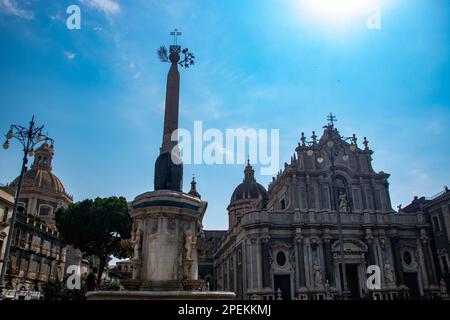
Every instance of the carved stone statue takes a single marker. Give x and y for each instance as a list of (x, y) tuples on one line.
[(136, 241), (327, 290), (189, 245), (317, 271), (388, 274), (383, 243), (343, 202), (443, 288)]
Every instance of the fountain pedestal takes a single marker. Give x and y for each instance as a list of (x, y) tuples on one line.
[(166, 226)]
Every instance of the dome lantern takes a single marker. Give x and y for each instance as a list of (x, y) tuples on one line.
[(43, 157), (249, 189)]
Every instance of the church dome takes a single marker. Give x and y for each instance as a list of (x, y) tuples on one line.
[(41, 179), (40, 175), (249, 188)]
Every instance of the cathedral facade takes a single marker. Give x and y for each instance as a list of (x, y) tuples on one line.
[(322, 222)]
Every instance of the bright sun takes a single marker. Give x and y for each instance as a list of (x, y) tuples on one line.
[(335, 13)]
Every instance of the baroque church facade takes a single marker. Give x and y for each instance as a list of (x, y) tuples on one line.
[(38, 253), (284, 242)]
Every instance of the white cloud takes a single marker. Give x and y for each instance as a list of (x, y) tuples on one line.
[(70, 55), (106, 6), (11, 7), (418, 174)]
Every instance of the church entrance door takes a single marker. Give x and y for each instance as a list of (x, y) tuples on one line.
[(351, 271), (282, 282), (412, 284)]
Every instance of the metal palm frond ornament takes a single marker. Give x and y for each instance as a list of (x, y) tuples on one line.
[(174, 53), (162, 54), (188, 58)]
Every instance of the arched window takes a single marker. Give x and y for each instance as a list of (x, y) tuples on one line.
[(21, 207), (45, 210), (340, 185), (342, 194)]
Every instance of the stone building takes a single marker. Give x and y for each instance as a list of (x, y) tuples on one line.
[(6, 209), (38, 253), (121, 270), (437, 212), (284, 242), (211, 240)]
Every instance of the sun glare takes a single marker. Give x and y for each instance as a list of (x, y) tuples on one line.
[(333, 13)]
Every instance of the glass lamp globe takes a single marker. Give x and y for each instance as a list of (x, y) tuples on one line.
[(309, 153), (330, 144), (39, 138), (353, 147), (6, 145), (319, 159), (10, 134), (345, 157)]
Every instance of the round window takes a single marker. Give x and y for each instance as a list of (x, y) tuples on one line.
[(407, 257), (281, 259)]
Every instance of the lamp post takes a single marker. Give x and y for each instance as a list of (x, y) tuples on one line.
[(332, 147), (29, 138)]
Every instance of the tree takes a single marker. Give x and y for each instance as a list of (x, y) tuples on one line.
[(96, 227)]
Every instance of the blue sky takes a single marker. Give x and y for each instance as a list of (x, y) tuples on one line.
[(260, 64)]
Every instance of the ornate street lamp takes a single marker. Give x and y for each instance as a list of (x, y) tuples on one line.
[(332, 148), (29, 138)]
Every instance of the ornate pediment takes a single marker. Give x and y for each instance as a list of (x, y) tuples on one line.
[(350, 245)]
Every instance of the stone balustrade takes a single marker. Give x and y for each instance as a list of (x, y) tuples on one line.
[(324, 218)]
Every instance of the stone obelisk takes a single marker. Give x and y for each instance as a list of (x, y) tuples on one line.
[(168, 166), (167, 223)]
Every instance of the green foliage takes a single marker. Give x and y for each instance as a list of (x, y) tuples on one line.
[(96, 227), (58, 291), (113, 285)]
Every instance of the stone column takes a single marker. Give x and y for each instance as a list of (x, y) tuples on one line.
[(320, 193), (328, 257), (370, 248), (397, 261), (296, 192), (244, 269), (258, 265), (388, 198), (428, 259), (265, 263), (300, 261), (307, 185), (308, 261), (252, 264)]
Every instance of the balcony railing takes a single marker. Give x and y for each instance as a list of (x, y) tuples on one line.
[(356, 219)]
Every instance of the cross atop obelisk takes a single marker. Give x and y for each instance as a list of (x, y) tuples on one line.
[(175, 33)]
